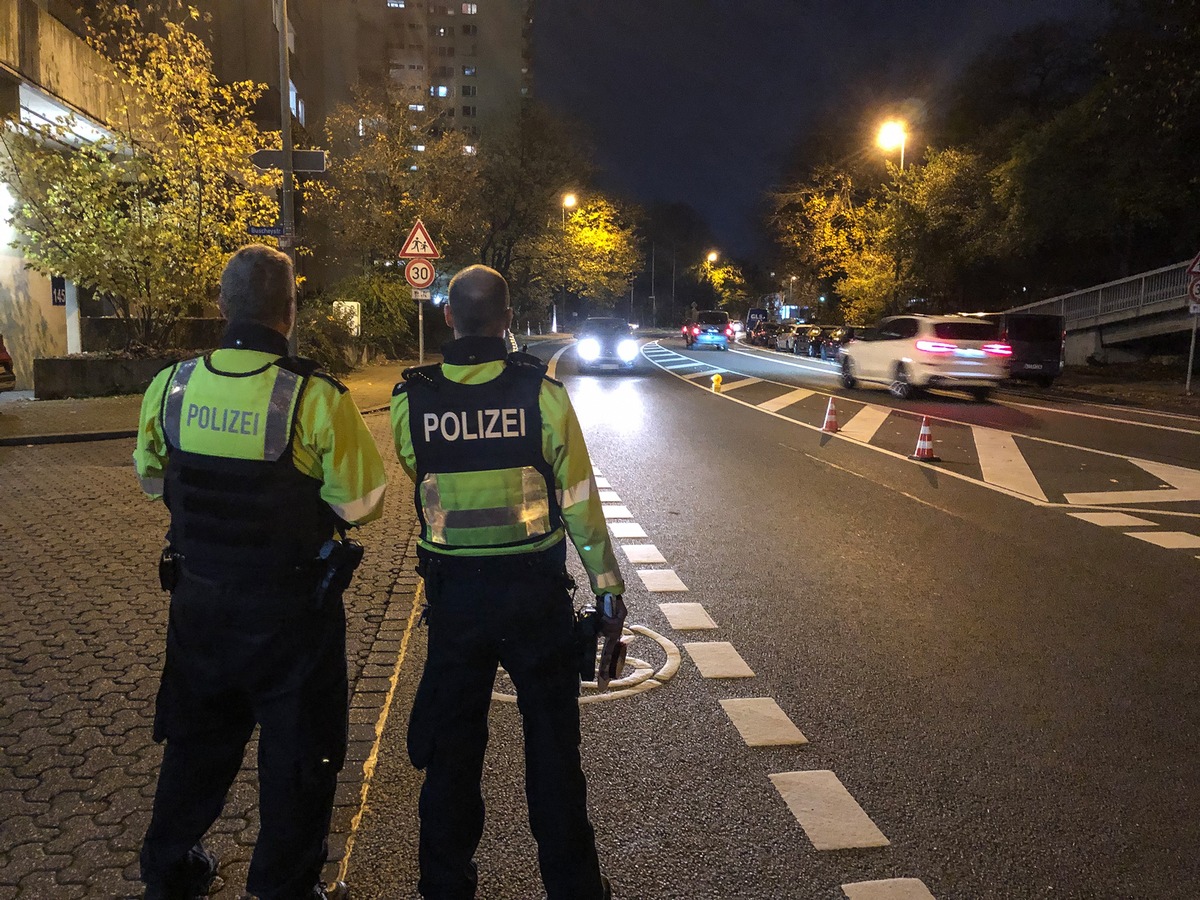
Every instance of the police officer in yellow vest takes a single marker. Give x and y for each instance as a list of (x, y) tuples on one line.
[(502, 475), (261, 460)]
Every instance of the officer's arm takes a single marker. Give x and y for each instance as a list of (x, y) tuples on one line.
[(401, 434), (564, 447), (150, 454), (347, 461)]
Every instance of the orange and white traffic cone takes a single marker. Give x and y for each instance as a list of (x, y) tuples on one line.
[(924, 451), (831, 425)]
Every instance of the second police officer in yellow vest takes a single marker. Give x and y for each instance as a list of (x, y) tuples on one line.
[(502, 477)]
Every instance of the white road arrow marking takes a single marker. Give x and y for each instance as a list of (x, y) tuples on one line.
[(1185, 487)]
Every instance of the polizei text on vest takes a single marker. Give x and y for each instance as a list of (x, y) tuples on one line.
[(487, 424)]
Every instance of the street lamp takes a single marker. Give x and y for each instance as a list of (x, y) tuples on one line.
[(893, 134), (568, 202), (712, 257)]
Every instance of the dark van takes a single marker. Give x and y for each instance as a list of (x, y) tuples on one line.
[(754, 315), (1036, 341)]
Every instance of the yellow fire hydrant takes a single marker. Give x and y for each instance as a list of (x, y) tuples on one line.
[(716, 383)]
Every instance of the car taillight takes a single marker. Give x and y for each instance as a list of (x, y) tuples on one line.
[(997, 349), (696, 330), (728, 332), (936, 346)]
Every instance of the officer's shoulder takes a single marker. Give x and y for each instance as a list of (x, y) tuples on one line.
[(425, 375), (310, 368), (527, 362)]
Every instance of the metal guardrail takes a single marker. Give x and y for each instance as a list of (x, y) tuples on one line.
[(1159, 289)]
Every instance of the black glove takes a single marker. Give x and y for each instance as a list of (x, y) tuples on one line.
[(612, 622)]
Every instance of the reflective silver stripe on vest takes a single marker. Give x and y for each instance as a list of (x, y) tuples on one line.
[(173, 415), (533, 513), (279, 419)]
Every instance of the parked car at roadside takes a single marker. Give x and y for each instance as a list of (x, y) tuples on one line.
[(910, 353), (764, 334), (806, 340), (1038, 344), (833, 340), (8, 378)]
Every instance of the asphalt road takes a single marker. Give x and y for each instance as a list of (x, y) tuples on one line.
[(1006, 691)]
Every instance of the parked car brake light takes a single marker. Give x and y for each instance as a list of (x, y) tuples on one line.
[(729, 332), (695, 329), (997, 349), (936, 346)]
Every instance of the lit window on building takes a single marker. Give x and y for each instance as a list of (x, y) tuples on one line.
[(470, 9), (395, 4), (469, 150), (441, 30), (469, 71), (420, 148), (416, 107)]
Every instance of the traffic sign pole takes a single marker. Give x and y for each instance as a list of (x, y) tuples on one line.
[(287, 207)]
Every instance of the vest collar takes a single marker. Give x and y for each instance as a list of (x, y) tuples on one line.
[(253, 336), (471, 351)]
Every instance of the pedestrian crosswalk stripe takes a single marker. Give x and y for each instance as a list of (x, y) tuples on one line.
[(777, 403), (1111, 520), (1171, 540), (626, 530), (687, 616), (687, 364), (830, 817), (718, 659), (864, 423), (740, 383), (1002, 464), (707, 373), (602, 482), (645, 554), (617, 512), (761, 722), (660, 580), (609, 496), (888, 889)]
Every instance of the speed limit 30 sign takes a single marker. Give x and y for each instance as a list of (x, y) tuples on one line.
[(419, 273)]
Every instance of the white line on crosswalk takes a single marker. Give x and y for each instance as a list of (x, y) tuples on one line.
[(863, 424), (661, 580), (1002, 464), (777, 403), (888, 889), (1170, 540), (761, 722), (617, 512), (687, 616), (830, 817), (683, 365), (740, 383), (1110, 520), (718, 659), (705, 374), (643, 554), (626, 530)]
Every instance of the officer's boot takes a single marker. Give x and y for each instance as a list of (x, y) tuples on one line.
[(191, 879), (338, 890)]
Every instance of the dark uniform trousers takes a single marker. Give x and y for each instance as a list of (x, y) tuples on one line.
[(235, 659), (515, 611)]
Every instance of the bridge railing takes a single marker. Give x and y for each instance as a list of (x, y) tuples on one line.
[(1155, 291)]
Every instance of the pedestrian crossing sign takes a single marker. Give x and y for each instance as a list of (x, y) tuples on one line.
[(419, 244)]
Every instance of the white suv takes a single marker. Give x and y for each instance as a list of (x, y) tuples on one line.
[(908, 353)]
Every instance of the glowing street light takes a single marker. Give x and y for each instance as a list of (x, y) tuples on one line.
[(712, 257), (893, 134), (568, 202)]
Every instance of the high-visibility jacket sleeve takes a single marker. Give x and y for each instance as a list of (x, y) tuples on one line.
[(566, 450), (150, 453), (402, 437), (333, 444)]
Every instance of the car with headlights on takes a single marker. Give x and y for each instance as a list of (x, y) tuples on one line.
[(8, 378), (910, 353), (606, 342)]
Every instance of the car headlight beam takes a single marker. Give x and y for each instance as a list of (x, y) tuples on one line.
[(589, 349), (627, 350)]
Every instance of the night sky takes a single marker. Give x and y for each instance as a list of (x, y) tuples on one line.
[(699, 101)]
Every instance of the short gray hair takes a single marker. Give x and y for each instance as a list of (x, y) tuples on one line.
[(478, 299), (258, 285)]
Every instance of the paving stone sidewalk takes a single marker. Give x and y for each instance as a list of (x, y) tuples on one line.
[(82, 632)]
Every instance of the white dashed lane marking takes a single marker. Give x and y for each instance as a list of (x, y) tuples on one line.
[(608, 496), (644, 554), (777, 403), (830, 817), (617, 512), (602, 482), (659, 580), (1170, 540), (1111, 520), (863, 425), (687, 616), (718, 659), (1002, 464), (626, 530), (891, 889), (761, 723)]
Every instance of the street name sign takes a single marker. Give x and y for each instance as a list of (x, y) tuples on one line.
[(419, 245), (265, 230), (312, 161), (419, 273)]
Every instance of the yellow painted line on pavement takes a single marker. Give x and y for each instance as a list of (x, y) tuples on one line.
[(373, 758), (552, 367), (830, 817), (888, 889)]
